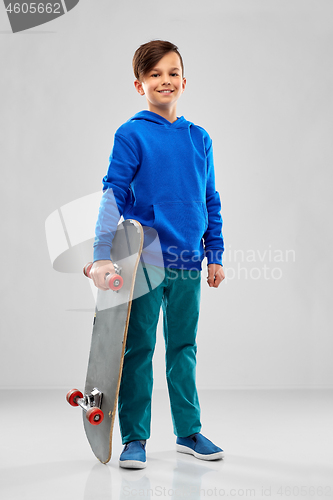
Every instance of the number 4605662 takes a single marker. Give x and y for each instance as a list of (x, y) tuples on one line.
[(33, 8)]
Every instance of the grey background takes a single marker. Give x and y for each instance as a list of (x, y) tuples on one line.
[(259, 79)]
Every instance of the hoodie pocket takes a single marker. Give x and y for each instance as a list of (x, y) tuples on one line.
[(180, 224)]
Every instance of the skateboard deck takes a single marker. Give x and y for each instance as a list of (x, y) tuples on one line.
[(108, 344)]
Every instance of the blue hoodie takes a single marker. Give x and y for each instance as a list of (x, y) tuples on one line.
[(162, 174)]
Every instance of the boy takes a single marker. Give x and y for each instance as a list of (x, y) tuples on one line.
[(161, 173)]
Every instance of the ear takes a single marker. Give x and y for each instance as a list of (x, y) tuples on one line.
[(183, 84), (139, 88)]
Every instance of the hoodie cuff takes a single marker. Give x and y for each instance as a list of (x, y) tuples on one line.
[(214, 257), (102, 252)]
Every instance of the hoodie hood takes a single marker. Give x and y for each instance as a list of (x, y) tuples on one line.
[(152, 117)]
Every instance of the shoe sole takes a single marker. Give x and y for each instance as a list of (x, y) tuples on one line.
[(132, 464), (213, 456)]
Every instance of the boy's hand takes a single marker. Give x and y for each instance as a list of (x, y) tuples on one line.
[(98, 271), (215, 275)]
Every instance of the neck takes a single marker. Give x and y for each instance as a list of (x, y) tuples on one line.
[(167, 113)]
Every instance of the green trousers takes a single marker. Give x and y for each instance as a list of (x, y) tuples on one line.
[(178, 292)]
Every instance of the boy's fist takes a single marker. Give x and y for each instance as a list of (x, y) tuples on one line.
[(215, 275), (98, 271)]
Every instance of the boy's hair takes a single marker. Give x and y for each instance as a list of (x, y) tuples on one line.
[(148, 54)]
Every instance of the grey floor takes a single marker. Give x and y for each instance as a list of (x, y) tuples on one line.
[(278, 444)]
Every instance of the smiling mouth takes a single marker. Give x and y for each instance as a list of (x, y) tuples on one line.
[(165, 91)]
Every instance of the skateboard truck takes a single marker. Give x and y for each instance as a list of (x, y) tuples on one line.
[(90, 403), (113, 281)]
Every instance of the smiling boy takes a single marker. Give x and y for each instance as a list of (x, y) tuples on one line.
[(161, 173)]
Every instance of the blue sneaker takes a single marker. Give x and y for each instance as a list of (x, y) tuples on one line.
[(133, 455), (199, 446)]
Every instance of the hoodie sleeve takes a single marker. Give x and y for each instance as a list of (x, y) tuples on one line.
[(123, 164), (213, 239)]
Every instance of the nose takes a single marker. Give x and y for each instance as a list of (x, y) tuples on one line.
[(166, 80)]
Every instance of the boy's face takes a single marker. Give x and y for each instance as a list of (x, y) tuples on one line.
[(164, 84)]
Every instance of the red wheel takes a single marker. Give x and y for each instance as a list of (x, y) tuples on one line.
[(114, 281), (87, 268), (95, 416), (72, 396)]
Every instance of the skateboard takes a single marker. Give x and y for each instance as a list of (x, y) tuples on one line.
[(113, 307)]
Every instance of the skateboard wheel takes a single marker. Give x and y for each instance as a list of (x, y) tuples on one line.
[(72, 396), (87, 268), (95, 416), (114, 281)]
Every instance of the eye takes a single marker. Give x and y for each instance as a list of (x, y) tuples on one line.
[(155, 74), (174, 74)]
